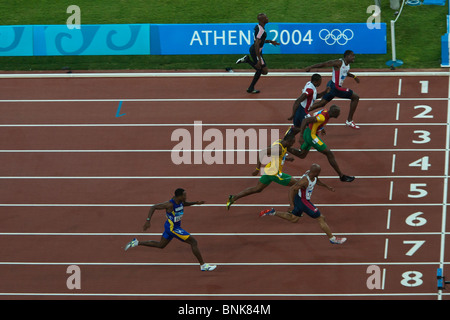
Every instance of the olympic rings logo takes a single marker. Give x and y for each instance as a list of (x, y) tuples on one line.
[(336, 36)]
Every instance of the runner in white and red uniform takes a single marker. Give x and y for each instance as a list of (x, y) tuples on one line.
[(310, 92), (341, 69), (300, 202), (309, 95)]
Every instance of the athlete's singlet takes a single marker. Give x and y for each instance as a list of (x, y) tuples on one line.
[(306, 193), (311, 96), (340, 74)]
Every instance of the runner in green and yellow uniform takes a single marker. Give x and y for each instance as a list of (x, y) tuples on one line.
[(272, 171), (309, 138)]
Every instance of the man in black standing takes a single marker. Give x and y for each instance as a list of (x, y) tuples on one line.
[(257, 60)]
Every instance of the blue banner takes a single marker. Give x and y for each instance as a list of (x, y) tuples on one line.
[(189, 39), (115, 39), (169, 39), (295, 38), (16, 40)]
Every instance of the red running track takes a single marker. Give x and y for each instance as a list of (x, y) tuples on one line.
[(76, 183)]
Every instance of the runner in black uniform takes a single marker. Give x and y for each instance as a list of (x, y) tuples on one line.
[(257, 61)]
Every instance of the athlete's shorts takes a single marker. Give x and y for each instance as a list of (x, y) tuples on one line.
[(255, 57), (300, 114), (317, 143), (281, 178), (173, 231), (304, 206), (339, 92)]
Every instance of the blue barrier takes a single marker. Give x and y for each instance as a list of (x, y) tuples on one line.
[(179, 39), (16, 40), (444, 51), (295, 38), (434, 2), (445, 46), (188, 39), (115, 39)]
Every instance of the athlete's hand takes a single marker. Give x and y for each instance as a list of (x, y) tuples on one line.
[(331, 189), (357, 80), (275, 43), (290, 209), (291, 117), (290, 159), (146, 225), (308, 69), (200, 202), (255, 172)]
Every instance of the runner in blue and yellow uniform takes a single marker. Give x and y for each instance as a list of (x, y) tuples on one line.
[(272, 171), (172, 228)]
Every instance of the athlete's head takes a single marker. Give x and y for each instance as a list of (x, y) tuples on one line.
[(289, 139), (262, 18), (316, 79), (314, 170), (334, 111), (349, 56), (180, 194)]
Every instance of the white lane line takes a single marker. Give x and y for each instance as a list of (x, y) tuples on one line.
[(386, 245), (196, 177), (179, 125), (391, 190), (193, 150), (393, 163), (131, 205), (253, 100), (218, 263), (445, 191), (211, 74), (217, 294), (234, 234), (395, 136), (388, 223)]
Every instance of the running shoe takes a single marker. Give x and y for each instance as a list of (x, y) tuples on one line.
[(133, 243), (253, 91), (230, 202), (351, 124), (208, 267), (345, 178), (335, 240), (244, 59), (268, 212)]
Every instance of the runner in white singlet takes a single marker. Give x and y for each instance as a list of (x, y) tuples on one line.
[(299, 197), (341, 68), (300, 109)]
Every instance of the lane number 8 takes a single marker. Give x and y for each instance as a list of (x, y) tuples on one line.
[(412, 279)]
